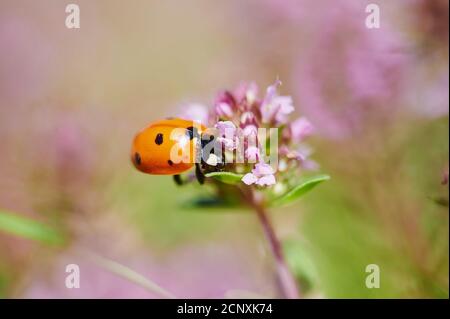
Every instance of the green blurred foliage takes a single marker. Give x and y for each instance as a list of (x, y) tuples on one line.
[(162, 210), (18, 225), (406, 236)]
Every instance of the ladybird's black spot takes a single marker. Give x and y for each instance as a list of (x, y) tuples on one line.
[(170, 162), (192, 132), (159, 139), (137, 158)]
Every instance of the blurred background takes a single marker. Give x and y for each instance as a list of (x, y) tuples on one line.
[(71, 101)]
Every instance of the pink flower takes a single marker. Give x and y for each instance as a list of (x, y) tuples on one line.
[(248, 118), (252, 153), (250, 130), (302, 155), (224, 110), (229, 143), (227, 134), (300, 129), (275, 108), (236, 118), (226, 128), (262, 175), (246, 92), (27, 60), (195, 112), (227, 98), (310, 165), (364, 74)]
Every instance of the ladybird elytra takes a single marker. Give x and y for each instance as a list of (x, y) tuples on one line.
[(155, 148)]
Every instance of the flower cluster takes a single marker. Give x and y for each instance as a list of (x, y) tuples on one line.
[(238, 116)]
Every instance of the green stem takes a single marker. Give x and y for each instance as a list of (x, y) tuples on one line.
[(286, 280)]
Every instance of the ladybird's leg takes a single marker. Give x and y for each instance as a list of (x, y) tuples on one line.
[(192, 132), (177, 179), (199, 174), (222, 161)]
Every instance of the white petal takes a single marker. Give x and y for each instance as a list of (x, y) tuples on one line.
[(262, 169), (249, 179), (266, 180), (212, 160)]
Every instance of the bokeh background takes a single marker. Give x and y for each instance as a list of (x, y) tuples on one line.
[(71, 101)]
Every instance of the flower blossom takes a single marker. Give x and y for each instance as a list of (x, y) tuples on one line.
[(196, 112), (252, 154), (275, 108), (261, 175), (246, 92), (238, 115), (227, 134), (300, 128), (224, 110)]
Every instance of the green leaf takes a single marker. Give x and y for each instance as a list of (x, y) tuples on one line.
[(226, 177), (210, 202), (129, 274), (300, 190), (27, 228)]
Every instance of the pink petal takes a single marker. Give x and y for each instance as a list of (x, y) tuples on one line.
[(229, 143), (249, 179), (285, 103), (275, 107), (271, 92), (252, 154), (226, 127), (224, 110), (262, 169), (267, 108), (266, 180), (300, 129), (246, 90), (250, 130), (310, 165), (195, 112), (248, 118)]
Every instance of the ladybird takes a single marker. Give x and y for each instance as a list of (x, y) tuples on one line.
[(168, 147)]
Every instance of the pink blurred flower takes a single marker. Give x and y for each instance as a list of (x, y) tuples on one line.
[(188, 271), (27, 60), (349, 75), (195, 112), (300, 128)]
